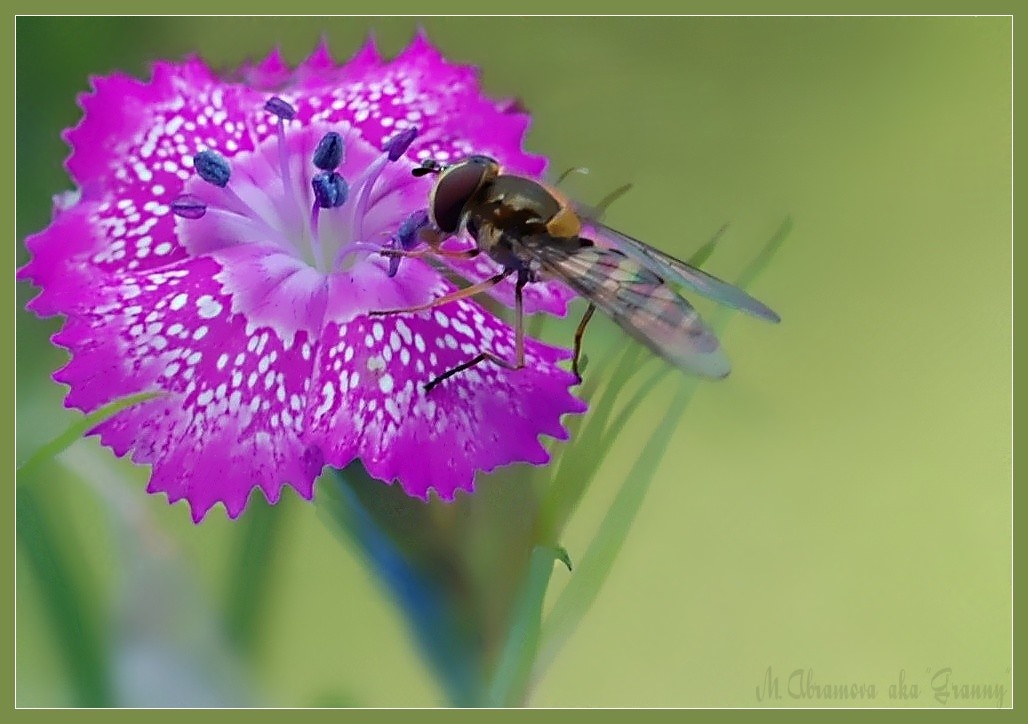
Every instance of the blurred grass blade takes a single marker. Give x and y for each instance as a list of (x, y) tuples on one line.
[(700, 256), (625, 414), (252, 572), (562, 500), (603, 204), (578, 462), (73, 615), (599, 557), (433, 622), (756, 267), (577, 473), (76, 430), (518, 654)]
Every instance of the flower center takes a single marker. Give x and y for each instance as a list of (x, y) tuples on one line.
[(324, 197)]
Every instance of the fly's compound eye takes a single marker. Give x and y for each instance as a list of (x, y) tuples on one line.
[(455, 188)]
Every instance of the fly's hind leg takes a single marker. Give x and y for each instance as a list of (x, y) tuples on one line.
[(519, 342), (578, 341), (481, 357)]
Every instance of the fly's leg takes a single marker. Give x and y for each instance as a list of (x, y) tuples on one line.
[(417, 228), (519, 341), (578, 340), (420, 253), (447, 298), (481, 357)]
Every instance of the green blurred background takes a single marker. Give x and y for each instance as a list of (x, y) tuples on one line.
[(840, 504)]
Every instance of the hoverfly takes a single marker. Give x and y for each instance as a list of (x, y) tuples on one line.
[(532, 232)]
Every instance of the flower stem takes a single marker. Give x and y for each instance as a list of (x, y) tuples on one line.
[(351, 503)]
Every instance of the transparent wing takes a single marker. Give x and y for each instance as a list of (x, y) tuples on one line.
[(636, 298), (677, 271)]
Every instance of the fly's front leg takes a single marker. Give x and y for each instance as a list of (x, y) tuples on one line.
[(415, 229), (519, 340), (412, 230), (421, 253), (447, 298)]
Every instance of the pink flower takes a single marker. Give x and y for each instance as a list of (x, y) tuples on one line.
[(222, 250)]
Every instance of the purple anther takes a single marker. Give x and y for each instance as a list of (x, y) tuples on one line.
[(329, 153), (407, 234), (188, 206), (398, 144), (212, 167), (330, 189), (280, 108)]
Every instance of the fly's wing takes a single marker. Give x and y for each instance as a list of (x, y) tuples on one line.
[(634, 297), (679, 272)]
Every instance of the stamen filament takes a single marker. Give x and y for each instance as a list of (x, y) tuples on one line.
[(246, 211), (366, 183), (288, 188), (241, 206), (319, 254), (395, 147)]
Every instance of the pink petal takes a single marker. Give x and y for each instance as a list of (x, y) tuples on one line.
[(371, 403), (269, 74), (233, 414)]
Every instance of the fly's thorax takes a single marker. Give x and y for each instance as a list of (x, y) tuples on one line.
[(522, 197), (529, 204), (525, 206)]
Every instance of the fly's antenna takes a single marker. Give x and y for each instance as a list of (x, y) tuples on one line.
[(428, 165)]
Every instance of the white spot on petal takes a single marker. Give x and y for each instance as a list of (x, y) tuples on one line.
[(208, 307)]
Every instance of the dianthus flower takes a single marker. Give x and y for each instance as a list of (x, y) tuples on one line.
[(222, 250)]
